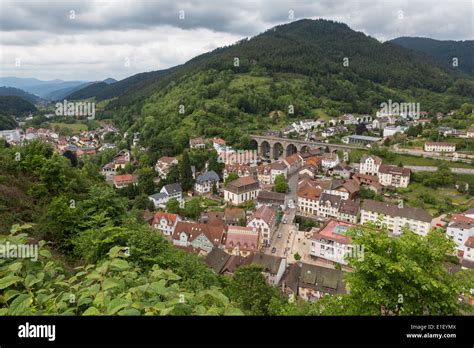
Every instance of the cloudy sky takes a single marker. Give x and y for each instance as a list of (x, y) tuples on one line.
[(93, 40)]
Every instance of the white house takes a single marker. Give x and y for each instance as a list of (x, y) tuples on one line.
[(460, 232), (369, 165), (440, 147), (331, 242), (395, 218), (165, 222), (264, 221), (330, 160), (241, 190), (205, 181)]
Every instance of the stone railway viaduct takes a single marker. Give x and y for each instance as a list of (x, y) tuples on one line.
[(275, 147)]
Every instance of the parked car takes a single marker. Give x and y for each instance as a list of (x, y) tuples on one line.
[(279, 235), (274, 250)]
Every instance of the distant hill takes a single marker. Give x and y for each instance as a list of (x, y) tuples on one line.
[(109, 80), (7, 122), (11, 91), (38, 87), (13, 105), (106, 90), (442, 50), (64, 92)]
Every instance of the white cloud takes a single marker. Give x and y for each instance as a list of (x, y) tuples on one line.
[(94, 44)]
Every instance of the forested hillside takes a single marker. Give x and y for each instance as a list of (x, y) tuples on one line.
[(301, 64), (11, 91), (13, 105), (444, 51)]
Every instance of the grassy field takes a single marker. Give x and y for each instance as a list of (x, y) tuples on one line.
[(441, 196), (74, 127), (411, 160)]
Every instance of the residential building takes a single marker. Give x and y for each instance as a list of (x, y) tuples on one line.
[(240, 170), (212, 217), (173, 191), (470, 132), (331, 242), (264, 221), (264, 172), (349, 211), (343, 171), (344, 188), (159, 199), (204, 237), (241, 190), (328, 205), (308, 170), (440, 147), (197, 143), (278, 168), (316, 281), (308, 199), (270, 198), (121, 181), (360, 139), (395, 218), (242, 240), (219, 144), (394, 176), (205, 182), (165, 222), (163, 165), (234, 216), (273, 267), (293, 163), (369, 165), (392, 130), (460, 232), (330, 160)]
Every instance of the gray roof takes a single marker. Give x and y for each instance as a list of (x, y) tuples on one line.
[(393, 210), (335, 200), (173, 188), (270, 263), (322, 279), (364, 137), (207, 176), (217, 259), (158, 196), (271, 197)]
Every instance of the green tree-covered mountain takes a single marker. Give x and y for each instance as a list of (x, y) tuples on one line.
[(11, 91), (442, 50), (14, 105), (316, 66), (110, 88)]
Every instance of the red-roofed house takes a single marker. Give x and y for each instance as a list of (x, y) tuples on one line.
[(199, 236), (121, 181), (165, 222), (264, 221), (242, 240), (293, 163), (331, 242)]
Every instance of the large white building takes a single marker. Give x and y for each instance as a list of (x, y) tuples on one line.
[(205, 181), (369, 165), (396, 218), (241, 190), (440, 147), (264, 221), (388, 175), (460, 232), (394, 176), (331, 242)]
